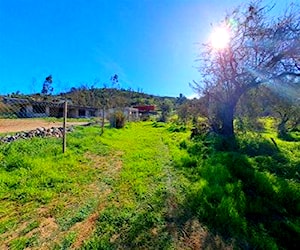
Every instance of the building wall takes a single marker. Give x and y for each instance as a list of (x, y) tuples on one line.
[(55, 112), (73, 113)]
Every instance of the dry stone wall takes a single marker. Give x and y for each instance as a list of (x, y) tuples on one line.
[(39, 132)]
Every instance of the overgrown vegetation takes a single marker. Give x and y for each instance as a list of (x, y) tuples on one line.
[(247, 189), (109, 186), (150, 186), (226, 181), (117, 119), (39, 183)]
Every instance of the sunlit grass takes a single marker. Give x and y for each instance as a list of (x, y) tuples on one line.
[(136, 217), (249, 192), (35, 174), (136, 160), (139, 186)]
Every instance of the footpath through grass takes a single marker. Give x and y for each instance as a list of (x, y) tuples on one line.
[(147, 193), (113, 191), (148, 186)]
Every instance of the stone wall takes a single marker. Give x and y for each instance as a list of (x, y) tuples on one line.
[(39, 132)]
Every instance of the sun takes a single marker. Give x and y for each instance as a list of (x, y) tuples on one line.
[(220, 38)]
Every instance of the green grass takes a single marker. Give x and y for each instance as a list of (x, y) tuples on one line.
[(135, 164), (34, 174), (137, 215), (248, 193), (141, 187)]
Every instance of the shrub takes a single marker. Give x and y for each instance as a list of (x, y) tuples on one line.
[(200, 129), (117, 119), (177, 128)]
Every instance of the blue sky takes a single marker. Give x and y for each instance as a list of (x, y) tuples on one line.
[(151, 44)]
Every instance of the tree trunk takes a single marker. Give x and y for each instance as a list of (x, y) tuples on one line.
[(282, 130), (103, 120), (227, 121)]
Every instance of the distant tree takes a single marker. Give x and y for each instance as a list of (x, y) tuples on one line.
[(251, 106), (166, 108), (47, 86), (181, 99), (108, 99), (284, 107), (115, 81), (261, 50), (283, 104), (192, 109), (184, 112)]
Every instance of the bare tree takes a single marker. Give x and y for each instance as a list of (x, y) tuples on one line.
[(260, 50)]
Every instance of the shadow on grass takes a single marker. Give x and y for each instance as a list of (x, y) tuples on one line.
[(243, 193), (130, 229), (291, 137)]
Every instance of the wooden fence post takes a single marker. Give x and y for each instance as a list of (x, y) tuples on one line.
[(64, 126)]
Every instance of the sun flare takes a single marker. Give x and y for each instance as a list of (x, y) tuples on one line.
[(220, 38)]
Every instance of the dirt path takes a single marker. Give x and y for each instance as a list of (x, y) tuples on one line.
[(17, 125)]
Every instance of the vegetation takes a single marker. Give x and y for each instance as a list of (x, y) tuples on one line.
[(47, 197), (117, 119), (218, 172), (261, 50), (247, 189), (47, 86), (149, 185)]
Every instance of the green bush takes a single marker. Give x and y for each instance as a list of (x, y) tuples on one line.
[(117, 119), (177, 128)]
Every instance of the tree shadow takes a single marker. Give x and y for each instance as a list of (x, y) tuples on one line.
[(290, 137), (244, 195)]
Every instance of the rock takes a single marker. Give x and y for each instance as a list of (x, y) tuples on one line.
[(39, 132)]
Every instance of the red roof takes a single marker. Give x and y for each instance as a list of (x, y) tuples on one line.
[(145, 108)]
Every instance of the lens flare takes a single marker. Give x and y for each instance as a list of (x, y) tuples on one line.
[(220, 38)]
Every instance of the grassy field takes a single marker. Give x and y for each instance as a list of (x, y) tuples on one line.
[(246, 189), (114, 185), (148, 186)]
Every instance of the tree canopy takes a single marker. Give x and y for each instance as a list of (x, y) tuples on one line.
[(261, 50), (47, 85)]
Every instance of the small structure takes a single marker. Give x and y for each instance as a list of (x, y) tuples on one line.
[(131, 114), (145, 111), (26, 108)]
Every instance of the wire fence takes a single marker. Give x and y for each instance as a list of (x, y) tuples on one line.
[(30, 118), (13, 112)]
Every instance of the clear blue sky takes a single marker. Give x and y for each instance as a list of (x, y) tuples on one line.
[(151, 44)]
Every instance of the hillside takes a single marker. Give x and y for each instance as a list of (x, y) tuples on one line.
[(97, 97)]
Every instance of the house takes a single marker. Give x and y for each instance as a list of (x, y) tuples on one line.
[(145, 111), (26, 108), (29, 108)]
